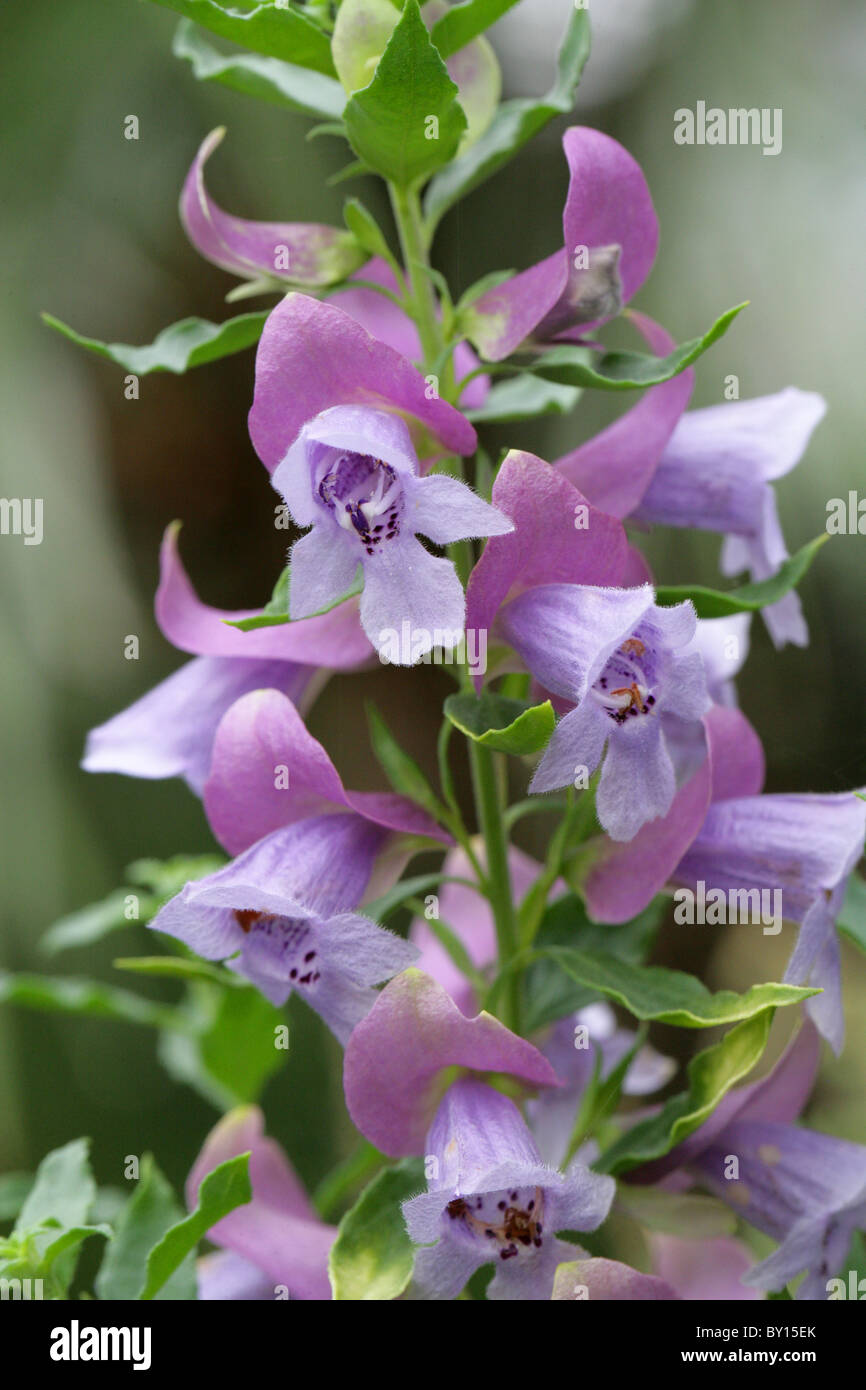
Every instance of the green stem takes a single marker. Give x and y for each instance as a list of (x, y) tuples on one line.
[(499, 889), (413, 244)]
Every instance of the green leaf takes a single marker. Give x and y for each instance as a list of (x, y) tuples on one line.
[(852, 920), (180, 968), (627, 371), (240, 1049), (189, 343), (361, 33), (269, 79), (372, 1257), (94, 922), (712, 1073), (669, 996), (402, 772), (710, 603), (465, 22), (277, 31), (550, 993), (506, 726), (87, 998), (514, 124), (524, 397), (690, 1215), (62, 1192), (387, 123), (228, 1047), (49, 1244), (224, 1189), (146, 1217)]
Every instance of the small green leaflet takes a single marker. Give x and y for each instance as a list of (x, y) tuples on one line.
[(712, 603), (388, 122), (372, 1257), (627, 371), (144, 1219), (402, 772), (87, 998), (224, 1189), (269, 79), (502, 724), (514, 124), (189, 343), (276, 30), (712, 1073)]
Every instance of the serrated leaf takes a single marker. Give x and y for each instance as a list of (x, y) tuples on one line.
[(387, 122), (372, 1257), (514, 124), (189, 343), (502, 724), (712, 1073), (712, 603), (63, 1190), (402, 772), (223, 1190), (269, 79), (524, 397), (277, 31), (465, 22), (627, 371), (652, 992), (145, 1218)]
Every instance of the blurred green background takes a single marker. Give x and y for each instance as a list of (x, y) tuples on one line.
[(90, 233)]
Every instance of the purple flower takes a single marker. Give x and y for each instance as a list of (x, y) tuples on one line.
[(267, 772), (557, 537), (715, 475), (170, 731), (723, 644), (273, 253), (282, 915), (610, 234), (390, 324), (276, 1244), (353, 476), (408, 1049), (804, 846), (491, 1199), (608, 1281), (313, 356), (618, 880), (617, 657), (806, 1190)]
